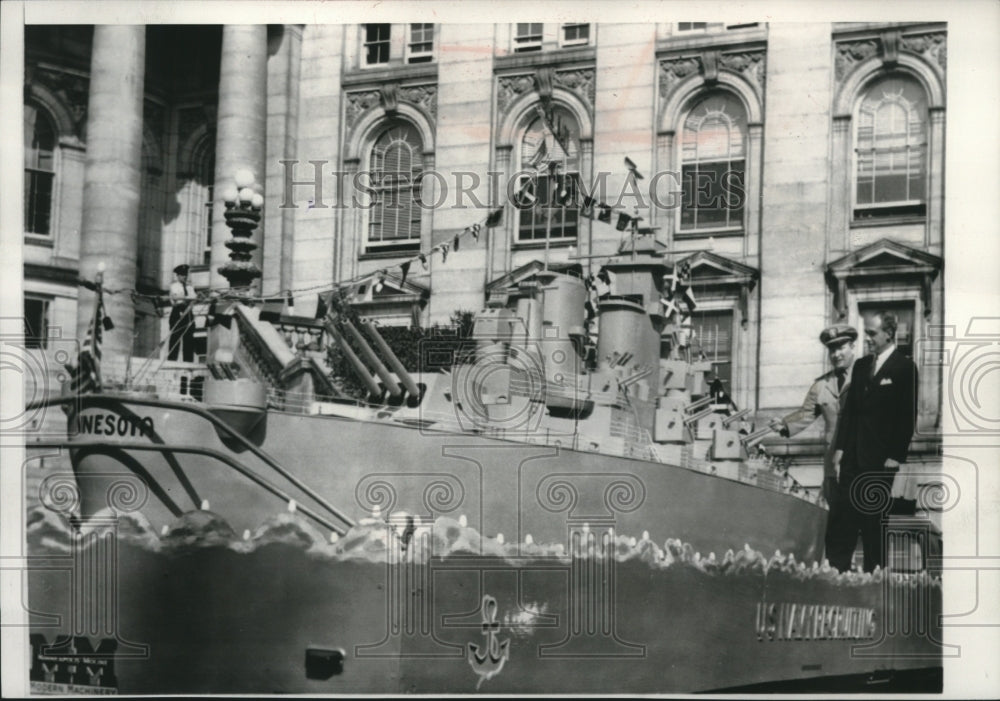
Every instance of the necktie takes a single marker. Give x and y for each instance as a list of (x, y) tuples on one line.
[(841, 379)]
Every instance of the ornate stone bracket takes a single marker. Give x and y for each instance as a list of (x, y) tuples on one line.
[(543, 83), (931, 46), (390, 98), (840, 296), (925, 293)]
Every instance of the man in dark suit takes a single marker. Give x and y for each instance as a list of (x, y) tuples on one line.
[(873, 437)]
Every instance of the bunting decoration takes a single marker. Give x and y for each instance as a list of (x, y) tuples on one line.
[(604, 283), (270, 309), (557, 135), (669, 306), (680, 286), (525, 195)]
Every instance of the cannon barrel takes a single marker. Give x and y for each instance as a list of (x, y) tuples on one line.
[(359, 368), (397, 367), (369, 354)]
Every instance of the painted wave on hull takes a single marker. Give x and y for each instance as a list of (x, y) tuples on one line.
[(403, 538), (439, 608)]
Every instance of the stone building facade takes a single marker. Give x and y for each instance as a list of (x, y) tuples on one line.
[(829, 135)]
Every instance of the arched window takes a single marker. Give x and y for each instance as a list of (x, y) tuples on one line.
[(550, 148), (395, 167), (713, 164), (39, 170), (891, 149)]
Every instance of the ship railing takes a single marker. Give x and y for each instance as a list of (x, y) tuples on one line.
[(637, 444), (173, 381), (631, 441), (305, 403)]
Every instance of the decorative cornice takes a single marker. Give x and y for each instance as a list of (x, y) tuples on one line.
[(887, 45), (674, 70), (358, 103), (850, 53), (51, 273), (388, 96), (72, 89), (580, 81), (880, 259), (933, 46), (423, 96), (750, 64), (510, 87)]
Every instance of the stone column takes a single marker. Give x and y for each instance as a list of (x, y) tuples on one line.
[(241, 128), (112, 179), (283, 80)]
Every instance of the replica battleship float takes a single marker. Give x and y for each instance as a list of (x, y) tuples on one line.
[(553, 514)]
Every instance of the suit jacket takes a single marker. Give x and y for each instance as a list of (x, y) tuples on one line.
[(825, 400), (879, 414)]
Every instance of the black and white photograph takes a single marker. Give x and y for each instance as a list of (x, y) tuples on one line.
[(408, 348)]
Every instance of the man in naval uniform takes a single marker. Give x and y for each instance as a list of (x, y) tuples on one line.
[(825, 399), (873, 438), (182, 296)]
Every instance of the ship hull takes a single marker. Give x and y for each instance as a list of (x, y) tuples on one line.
[(501, 487), (611, 611), (217, 621)]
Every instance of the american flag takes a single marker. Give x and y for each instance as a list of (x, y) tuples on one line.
[(85, 376)]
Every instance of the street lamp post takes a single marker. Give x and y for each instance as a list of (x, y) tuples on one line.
[(243, 212)]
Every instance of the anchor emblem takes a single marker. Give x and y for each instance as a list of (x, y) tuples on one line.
[(487, 661)]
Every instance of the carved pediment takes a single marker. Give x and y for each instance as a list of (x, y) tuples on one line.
[(387, 286), (709, 268), (883, 259), (509, 282)]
